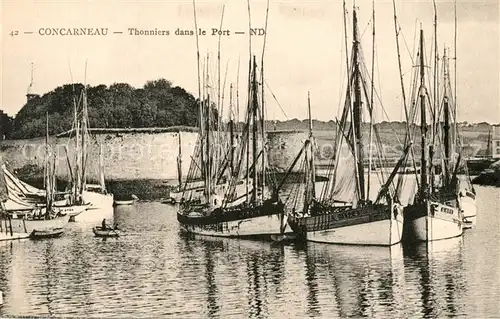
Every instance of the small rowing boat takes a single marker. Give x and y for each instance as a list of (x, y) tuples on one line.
[(99, 232), (124, 202), (48, 233)]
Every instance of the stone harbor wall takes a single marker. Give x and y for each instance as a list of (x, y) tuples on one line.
[(136, 155)]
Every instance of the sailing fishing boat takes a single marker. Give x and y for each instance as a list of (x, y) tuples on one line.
[(259, 211), (83, 192), (454, 166), (479, 163), (435, 213), (344, 213), (40, 220), (23, 198)]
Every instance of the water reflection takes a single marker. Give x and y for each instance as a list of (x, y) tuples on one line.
[(230, 264), (436, 270), (362, 281), (154, 270)]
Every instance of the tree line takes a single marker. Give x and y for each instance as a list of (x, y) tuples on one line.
[(157, 104)]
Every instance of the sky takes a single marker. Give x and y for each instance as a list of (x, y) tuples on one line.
[(304, 49)]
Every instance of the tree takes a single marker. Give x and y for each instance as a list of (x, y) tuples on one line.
[(157, 104), (6, 123)]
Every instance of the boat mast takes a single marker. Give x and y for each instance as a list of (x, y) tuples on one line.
[(248, 103), (311, 141), (357, 110), (446, 113), (263, 115), (455, 96), (209, 162), (255, 105), (179, 161), (47, 165), (200, 103), (423, 122), (435, 115), (77, 183), (231, 130), (403, 92), (371, 105), (84, 125)]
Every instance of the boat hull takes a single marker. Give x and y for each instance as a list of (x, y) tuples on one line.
[(124, 202), (261, 221), (469, 208), (52, 233), (98, 232), (378, 225), (18, 228), (97, 200), (431, 221)]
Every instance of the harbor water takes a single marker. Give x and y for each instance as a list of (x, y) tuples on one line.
[(155, 270)]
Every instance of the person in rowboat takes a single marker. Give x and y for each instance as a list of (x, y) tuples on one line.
[(103, 226)]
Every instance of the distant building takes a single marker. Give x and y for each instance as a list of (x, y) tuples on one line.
[(30, 94)]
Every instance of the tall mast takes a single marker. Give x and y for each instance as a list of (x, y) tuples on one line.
[(455, 95), (47, 165), (77, 183), (209, 161), (255, 105), (200, 98), (371, 104), (423, 122), (446, 112), (231, 130), (263, 115), (249, 111), (357, 109), (179, 161), (311, 139), (84, 125)]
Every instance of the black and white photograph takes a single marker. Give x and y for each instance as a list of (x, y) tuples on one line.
[(250, 159)]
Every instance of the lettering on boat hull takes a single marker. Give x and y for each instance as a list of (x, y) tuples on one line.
[(432, 221)]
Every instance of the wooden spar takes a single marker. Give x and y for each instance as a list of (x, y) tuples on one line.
[(219, 103), (238, 93), (249, 92), (370, 138), (179, 161), (403, 92), (53, 187), (446, 127), (77, 183), (46, 175), (200, 99), (311, 138), (357, 111), (330, 186), (385, 188), (423, 120), (102, 182), (345, 36), (209, 161), (455, 95), (255, 105), (263, 116), (231, 131), (436, 86), (69, 165)]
